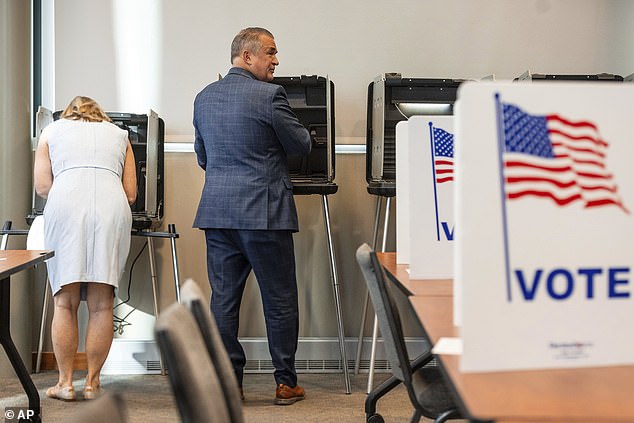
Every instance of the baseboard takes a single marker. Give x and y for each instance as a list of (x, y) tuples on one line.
[(314, 355), (48, 361)]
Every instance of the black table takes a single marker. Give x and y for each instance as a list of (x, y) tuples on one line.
[(13, 261)]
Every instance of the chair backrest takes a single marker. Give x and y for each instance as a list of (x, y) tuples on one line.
[(427, 391), (194, 381), (108, 408), (386, 313), (194, 300)]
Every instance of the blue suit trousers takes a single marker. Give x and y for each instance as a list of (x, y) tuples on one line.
[(231, 254)]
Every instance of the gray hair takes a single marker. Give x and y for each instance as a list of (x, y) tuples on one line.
[(247, 39)]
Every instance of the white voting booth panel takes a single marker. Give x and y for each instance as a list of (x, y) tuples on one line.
[(544, 202), (403, 223), (431, 196)]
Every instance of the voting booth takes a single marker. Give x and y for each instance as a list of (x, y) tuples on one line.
[(544, 200), (312, 99), (392, 100)]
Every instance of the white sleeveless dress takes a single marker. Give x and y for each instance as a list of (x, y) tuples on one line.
[(87, 219)]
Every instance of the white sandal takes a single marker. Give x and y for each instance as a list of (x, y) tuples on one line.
[(64, 393), (91, 393)]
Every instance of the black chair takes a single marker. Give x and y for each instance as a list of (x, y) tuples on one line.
[(426, 388), (193, 378), (193, 298), (108, 408)]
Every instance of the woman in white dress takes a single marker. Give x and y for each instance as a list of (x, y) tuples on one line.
[(85, 167)]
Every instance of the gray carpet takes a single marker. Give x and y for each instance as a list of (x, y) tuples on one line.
[(149, 399)]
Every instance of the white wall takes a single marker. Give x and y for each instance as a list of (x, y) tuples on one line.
[(133, 55), (618, 51)]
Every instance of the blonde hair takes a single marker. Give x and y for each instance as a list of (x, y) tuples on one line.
[(86, 109)]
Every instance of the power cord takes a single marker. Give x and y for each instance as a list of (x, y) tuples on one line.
[(119, 323)]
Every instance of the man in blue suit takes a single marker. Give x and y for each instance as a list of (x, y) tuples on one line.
[(245, 128)]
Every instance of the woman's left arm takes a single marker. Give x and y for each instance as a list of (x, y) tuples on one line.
[(129, 175), (42, 170)]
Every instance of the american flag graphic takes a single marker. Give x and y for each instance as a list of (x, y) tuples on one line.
[(556, 158), (443, 155)]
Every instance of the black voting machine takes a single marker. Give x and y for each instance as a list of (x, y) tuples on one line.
[(391, 99), (312, 99), (544, 77), (147, 135)]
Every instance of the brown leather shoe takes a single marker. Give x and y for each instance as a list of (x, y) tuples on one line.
[(285, 395)]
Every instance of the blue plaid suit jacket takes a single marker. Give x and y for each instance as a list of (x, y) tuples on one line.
[(244, 130)]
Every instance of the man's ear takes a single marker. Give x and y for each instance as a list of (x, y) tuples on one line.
[(246, 57)]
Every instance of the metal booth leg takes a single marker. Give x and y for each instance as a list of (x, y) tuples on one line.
[(375, 233), (172, 230), (150, 249), (375, 329), (335, 285), (40, 343)]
